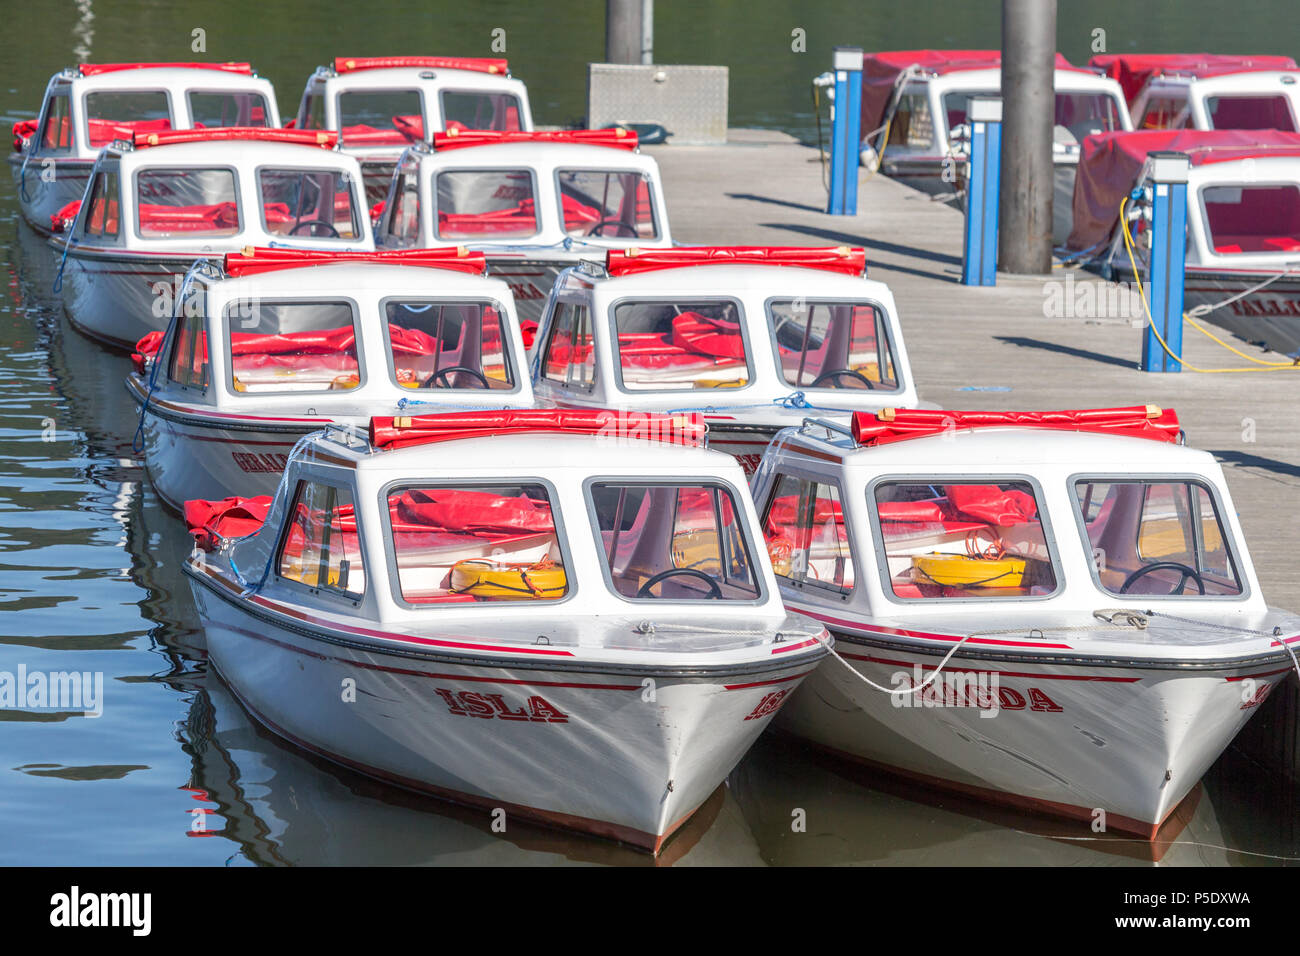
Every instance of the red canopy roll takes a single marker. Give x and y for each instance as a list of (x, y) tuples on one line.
[(1133, 70), (93, 69), (900, 424), (843, 259), (681, 429), (301, 137), (253, 260), (464, 138), (235, 517), (479, 64)]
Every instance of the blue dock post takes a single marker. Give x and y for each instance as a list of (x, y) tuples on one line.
[(846, 131), (1167, 264), (980, 252)]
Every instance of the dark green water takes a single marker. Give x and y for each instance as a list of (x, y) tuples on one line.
[(173, 771)]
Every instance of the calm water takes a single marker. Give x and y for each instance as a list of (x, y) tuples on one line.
[(173, 771)]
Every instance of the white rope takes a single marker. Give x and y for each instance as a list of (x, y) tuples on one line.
[(895, 690), (1206, 309)]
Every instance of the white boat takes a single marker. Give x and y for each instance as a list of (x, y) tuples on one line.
[(150, 210), (1206, 90), (274, 344), (559, 616), (533, 203), (755, 339), (1242, 267), (380, 105), (1050, 610), (914, 118), (87, 107)]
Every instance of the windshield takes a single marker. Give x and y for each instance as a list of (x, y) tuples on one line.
[(308, 203), (449, 345), (607, 204), (208, 110), (1250, 112), (381, 118), (1082, 114), (667, 346), (1243, 219), (673, 542), (173, 203), (832, 344), (114, 115), (291, 346), (1157, 538), (469, 109), (487, 204)]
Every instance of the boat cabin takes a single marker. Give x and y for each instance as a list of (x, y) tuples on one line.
[(88, 107), (533, 203), (381, 105), (1207, 91), (750, 337)]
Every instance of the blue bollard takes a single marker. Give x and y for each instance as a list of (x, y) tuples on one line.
[(980, 252), (846, 131), (1167, 264)]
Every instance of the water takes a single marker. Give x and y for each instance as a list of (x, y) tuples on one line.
[(174, 771)]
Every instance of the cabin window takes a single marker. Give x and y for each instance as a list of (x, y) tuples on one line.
[(308, 203), (188, 367), (1164, 112), (1250, 112), (111, 116), (186, 203), (1157, 538), (277, 346), (832, 344), (806, 537), (209, 110), (673, 542), (311, 114), (404, 220), (469, 109), (570, 356), (606, 204), (680, 345), (1081, 113), (912, 125), (103, 211), (1244, 219), (486, 204), (479, 543), (963, 539), (447, 344), (380, 118), (321, 547), (56, 131)]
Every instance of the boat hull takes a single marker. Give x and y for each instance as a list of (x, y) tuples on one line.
[(1114, 746), (583, 748), (120, 298), (43, 190)]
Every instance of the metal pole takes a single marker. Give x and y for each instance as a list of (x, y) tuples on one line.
[(647, 32), (845, 131), (1028, 63), (1167, 265), (622, 31), (979, 255)]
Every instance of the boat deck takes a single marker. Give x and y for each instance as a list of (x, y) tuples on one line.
[(997, 348)]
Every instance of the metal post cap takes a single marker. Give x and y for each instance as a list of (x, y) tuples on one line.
[(847, 58), (1168, 166), (984, 109)]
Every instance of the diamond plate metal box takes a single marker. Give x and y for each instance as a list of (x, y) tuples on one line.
[(690, 102)]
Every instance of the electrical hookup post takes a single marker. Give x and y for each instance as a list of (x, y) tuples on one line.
[(979, 263), (1167, 178), (846, 131)]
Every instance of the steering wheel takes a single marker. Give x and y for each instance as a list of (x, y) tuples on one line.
[(333, 233), (715, 592), (840, 372), (432, 380), (625, 229), (1171, 565)]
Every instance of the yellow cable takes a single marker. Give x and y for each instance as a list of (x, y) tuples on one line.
[(1128, 247)]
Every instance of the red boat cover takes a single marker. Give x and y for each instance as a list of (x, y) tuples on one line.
[(93, 69), (253, 260), (23, 130), (1109, 164), (350, 64), (1133, 70), (900, 424), (210, 521), (66, 213), (460, 139), (426, 429), (881, 70), (301, 137), (849, 261), (992, 504)]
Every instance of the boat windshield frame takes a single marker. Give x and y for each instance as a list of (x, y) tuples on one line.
[(514, 374), (883, 320), (237, 188), (225, 327), (355, 189), (608, 170)]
